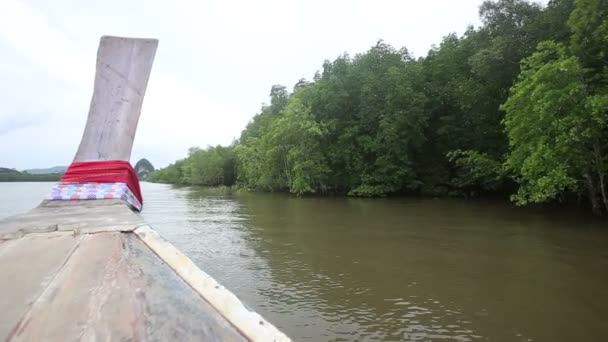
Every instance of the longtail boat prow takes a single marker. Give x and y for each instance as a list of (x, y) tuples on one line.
[(84, 266)]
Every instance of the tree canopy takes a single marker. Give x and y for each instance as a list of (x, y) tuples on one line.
[(516, 106)]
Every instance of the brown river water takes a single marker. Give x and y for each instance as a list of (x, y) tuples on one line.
[(340, 269)]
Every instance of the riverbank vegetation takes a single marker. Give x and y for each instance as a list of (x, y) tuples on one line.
[(517, 106)]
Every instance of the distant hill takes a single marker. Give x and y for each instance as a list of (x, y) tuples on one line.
[(143, 168), (12, 175), (54, 169), (7, 171)]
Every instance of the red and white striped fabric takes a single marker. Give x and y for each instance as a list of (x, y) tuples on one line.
[(112, 179)]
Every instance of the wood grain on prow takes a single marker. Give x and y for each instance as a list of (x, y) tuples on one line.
[(121, 78)]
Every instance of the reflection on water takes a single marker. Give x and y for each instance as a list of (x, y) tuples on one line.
[(413, 269), (395, 269)]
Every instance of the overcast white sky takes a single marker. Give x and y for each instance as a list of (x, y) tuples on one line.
[(214, 67)]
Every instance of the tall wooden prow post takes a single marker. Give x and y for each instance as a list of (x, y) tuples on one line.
[(92, 270), (121, 78)]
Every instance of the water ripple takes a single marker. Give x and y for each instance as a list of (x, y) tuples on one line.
[(342, 270)]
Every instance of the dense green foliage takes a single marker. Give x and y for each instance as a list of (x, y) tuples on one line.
[(211, 166), (10, 175), (557, 115), (518, 105)]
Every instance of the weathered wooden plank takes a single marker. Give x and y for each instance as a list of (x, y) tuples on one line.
[(27, 266), (70, 306), (250, 323), (89, 216), (121, 78), (5, 246), (113, 288), (173, 310)]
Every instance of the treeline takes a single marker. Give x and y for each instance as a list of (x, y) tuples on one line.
[(212, 166), (517, 106), (10, 175)]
